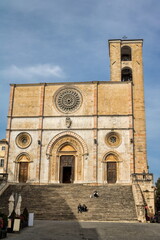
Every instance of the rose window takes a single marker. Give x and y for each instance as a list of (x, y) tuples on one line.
[(68, 100)]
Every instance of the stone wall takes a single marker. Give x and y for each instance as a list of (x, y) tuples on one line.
[(96, 117)]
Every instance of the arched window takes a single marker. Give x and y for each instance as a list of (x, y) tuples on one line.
[(126, 53), (126, 74)]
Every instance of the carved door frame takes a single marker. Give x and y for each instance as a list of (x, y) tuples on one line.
[(53, 153)]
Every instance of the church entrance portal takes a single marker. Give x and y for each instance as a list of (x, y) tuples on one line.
[(23, 172), (111, 172), (67, 168)]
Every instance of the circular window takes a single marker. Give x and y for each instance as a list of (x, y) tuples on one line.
[(23, 140), (113, 139), (68, 100)]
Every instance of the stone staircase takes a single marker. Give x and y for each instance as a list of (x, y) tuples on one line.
[(60, 201)]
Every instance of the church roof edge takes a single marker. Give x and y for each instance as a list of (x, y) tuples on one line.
[(68, 83)]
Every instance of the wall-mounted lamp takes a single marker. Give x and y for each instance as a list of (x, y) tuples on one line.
[(39, 142), (95, 141), (131, 140)]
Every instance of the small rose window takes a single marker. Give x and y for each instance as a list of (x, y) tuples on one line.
[(23, 140), (113, 139)]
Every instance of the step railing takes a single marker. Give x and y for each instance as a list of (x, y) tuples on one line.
[(139, 202), (3, 177), (3, 182), (142, 184), (3, 187)]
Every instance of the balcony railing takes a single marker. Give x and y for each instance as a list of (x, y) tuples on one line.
[(139, 177)]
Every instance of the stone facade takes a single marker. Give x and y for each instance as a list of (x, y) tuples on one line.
[(86, 132), (102, 111)]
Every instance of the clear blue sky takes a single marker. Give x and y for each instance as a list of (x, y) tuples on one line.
[(67, 40)]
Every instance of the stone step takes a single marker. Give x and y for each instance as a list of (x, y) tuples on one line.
[(59, 202)]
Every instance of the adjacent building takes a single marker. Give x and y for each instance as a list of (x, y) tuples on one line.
[(3, 144)]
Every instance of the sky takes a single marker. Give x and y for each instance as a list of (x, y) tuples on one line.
[(67, 41)]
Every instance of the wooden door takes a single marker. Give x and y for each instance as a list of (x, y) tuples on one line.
[(67, 168), (111, 172), (23, 172)]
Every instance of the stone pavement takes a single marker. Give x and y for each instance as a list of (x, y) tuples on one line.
[(54, 230)]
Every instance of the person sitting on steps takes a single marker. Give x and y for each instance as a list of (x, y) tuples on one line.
[(94, 195), (79, 208), (84, 208)]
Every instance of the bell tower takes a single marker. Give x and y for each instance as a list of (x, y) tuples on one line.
[(126, 65)]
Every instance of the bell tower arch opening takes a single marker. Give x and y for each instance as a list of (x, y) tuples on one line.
[(126, 53), (126, 74)]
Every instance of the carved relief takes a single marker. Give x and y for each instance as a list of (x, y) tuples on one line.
[(68, 122)]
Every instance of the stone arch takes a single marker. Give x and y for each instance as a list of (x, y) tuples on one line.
[(111, 153), (70, 134), (54, 153), (23, 157)]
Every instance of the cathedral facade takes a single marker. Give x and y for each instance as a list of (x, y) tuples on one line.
[(81, 132)]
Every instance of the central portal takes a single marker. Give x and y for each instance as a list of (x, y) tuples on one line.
[(67, 168)]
